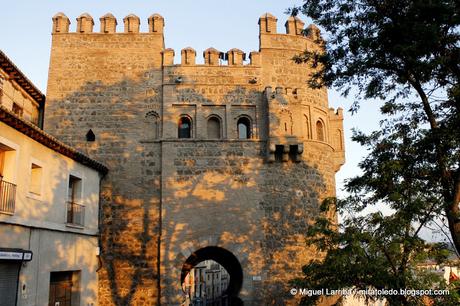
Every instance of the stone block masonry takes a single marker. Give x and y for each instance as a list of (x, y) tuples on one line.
[(213, 161)]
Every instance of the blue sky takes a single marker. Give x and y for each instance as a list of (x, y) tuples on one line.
[(25, 36)]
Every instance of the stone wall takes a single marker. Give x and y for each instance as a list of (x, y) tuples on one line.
[(107, 83), (166, 198)]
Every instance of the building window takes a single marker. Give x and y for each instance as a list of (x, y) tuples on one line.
[(319, 130), (36, 177), (244, 128), (64, 288), (75, 210), (152, 125), (90, 136), (213, 128), (185, 127), (17, 110), (7, 174), (307, 127)]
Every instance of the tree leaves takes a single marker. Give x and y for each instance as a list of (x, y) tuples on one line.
[(407, 54)]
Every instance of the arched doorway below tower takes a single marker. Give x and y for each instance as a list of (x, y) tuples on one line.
[(211, 276)]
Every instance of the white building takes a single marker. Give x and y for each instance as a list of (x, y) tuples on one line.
[(206, 284), (49, 205)]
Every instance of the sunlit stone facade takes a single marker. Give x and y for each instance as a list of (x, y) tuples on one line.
[(227, 160), (49, 204)]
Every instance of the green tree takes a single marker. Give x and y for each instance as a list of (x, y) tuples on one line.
[(373, 250), (406, 53)]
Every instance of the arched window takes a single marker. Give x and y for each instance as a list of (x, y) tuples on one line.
[(151, 128), (244, 128), (319, 130), (90, 135), (185, 127), (213, 128), (307, 127)]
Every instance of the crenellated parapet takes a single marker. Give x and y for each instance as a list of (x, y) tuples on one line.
[(212, 56), (296, 36), (156, 23), (85, 23), (60, 23), (188, 56), (235, 57), (294, 26), (131, 23), (267, 23), (108, 24)]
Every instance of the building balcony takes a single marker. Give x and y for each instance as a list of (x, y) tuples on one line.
[(7, 197), (75, 214)]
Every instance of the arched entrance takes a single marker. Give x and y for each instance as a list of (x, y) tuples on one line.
[(223, 257)]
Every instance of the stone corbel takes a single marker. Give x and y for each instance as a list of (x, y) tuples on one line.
[(298, 153), (271, 153), (285, 153)]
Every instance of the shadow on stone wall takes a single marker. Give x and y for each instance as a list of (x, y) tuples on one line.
[(183, 195)]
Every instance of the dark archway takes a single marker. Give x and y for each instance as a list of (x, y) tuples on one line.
[(225, 259)]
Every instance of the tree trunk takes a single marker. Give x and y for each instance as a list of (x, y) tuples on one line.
[(450, 185)]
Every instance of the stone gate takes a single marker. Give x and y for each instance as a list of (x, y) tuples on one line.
[(227, 160)]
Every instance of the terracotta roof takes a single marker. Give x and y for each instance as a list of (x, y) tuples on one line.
[(13, 71), (47, 140)]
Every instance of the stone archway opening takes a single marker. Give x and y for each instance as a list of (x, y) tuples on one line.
[(224, 259)]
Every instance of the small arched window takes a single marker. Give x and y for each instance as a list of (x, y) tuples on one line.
[(213, 128), (319, 130), (90, 136), (151, 128), (185, 127), (244, 128), (307, 127)]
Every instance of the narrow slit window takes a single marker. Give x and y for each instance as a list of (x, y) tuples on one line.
[(307, 127)]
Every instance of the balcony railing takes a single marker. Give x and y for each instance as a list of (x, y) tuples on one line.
[(75, 214), (7, 197)]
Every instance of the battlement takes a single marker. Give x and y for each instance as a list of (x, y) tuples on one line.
[(108, 24), (336, 114), (212, 57), (131, 23), (295, 39)]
